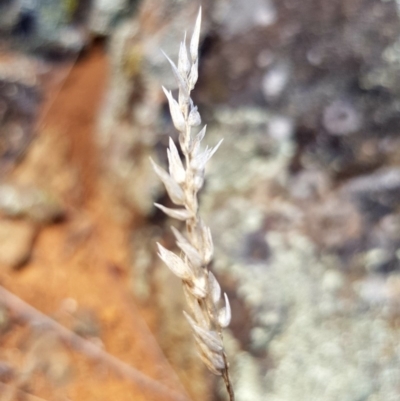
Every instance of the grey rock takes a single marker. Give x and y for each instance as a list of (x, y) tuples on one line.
[(9, 14), (274, 81), (104, 14), (318, 67), (333, 223), (51, 27), (340, 118), (376, 194), (20, 98), (382, 244), (286, 234), (237, 18), (309, 184), (324, 338), (31, 202), (131, 118)]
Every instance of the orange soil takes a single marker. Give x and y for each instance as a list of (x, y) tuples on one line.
[(82, 264)]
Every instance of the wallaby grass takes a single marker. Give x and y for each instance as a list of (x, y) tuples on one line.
[(183, 182)]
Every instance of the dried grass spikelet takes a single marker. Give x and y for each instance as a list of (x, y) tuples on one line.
[(183, 181)]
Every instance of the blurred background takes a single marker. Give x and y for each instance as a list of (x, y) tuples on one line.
[(303, 199)]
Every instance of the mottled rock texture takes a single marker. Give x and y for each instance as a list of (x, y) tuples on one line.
[(301, 197)]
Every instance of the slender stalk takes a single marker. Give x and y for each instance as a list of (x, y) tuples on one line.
[(28, 313), (183, 182)]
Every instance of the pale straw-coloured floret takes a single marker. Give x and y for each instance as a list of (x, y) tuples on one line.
[(182, 182)]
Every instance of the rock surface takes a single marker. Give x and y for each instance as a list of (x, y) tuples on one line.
[(29, 202), (302, 195), (16, 240), (20, 98)]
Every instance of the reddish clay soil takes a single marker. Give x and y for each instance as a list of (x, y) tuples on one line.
[(78, 275)]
